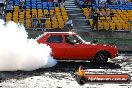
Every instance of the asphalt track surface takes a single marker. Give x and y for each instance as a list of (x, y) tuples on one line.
[(62, 75)]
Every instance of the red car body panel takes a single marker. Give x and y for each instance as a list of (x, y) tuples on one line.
[(80, 51)]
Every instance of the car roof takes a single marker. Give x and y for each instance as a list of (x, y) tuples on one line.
[(59, 33), (67, 33)]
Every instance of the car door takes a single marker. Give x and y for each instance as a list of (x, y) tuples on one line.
[(72, 47), (56, 43), (76, 49), (86, 51)]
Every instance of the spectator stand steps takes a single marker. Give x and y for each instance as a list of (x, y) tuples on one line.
[(75, 13)]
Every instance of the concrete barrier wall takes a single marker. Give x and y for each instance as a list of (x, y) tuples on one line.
[(108, 34), (123, 46)]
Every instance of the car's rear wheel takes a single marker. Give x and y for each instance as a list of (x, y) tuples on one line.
[(101, 57)]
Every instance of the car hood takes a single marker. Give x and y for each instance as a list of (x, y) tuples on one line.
[(88, 43), (104, 45)]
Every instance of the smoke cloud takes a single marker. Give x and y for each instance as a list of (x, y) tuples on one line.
[(19, 53)]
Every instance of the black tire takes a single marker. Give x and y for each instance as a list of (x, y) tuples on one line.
[(81, 80), (101, 57)]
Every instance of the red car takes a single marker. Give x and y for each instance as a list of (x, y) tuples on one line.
[(70, 46)]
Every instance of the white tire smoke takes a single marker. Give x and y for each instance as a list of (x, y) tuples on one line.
[(19, 53)]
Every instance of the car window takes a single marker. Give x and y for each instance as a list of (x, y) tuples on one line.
[(55, 39), (71, 39)]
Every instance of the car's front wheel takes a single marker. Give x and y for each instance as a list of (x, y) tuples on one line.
[(101, 58)]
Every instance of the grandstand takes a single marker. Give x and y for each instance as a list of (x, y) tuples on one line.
[(55, 17), (118, 17)]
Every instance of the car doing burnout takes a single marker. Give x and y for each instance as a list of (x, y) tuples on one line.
[(70, 46)]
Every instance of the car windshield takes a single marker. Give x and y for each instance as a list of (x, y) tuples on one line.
[(81, 39)]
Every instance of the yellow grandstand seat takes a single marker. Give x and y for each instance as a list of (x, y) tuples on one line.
[(54, 19), (27, 9), (84, 9), (64, 13), (86, 15), (125, 26), (112, 25), (106, 25), (130, 27), (15, 17), (48, 20), (16, 8), (8, 19), (9, 14), (114, 11), (16, 20), (102, 18), (63, 9), (54, 25), (48, 25), (130, 18), (124, 11), (27, 13), (122, 21), (28, 26), (51, 12), (117, 15), (28, 16), (57, 9), (100, 25), (116, 21), (114, 18), (21, 21), (15, 13), (125, 19), (108, 18), (107, 9), (34, 12), (119, 18), (60, 20), (28, 23), (65, 18), (58, 13), (21, 16), (61, 25), (119, 11), (40, 13), (59, 17), (39, 10), (21, 13), (119, 26), (129, 11), (46, 11), (28, 20)]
